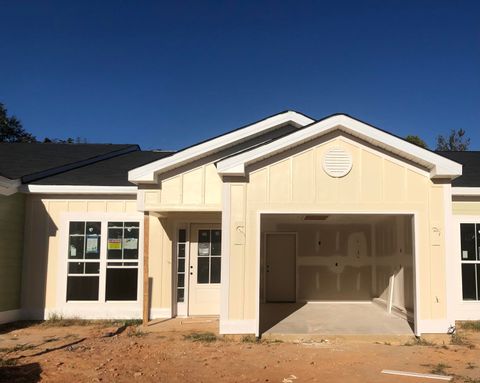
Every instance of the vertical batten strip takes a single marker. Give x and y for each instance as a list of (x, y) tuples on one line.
[(146, 289)]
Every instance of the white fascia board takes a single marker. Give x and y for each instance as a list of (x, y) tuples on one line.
[(79, 189), (466, 191), (147, 173), (8, 186), (440, 167)]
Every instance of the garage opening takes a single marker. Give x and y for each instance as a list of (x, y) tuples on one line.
[(337, 274)]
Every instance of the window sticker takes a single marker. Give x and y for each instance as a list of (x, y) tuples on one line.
[(465, 254), (130, 243), (73, 251), (114, 244), (203, 249), (92, 244)]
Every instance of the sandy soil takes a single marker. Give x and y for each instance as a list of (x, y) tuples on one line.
[(167, 352)]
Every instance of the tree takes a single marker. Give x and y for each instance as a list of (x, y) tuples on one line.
[(456, 141), (11, 129), (416, 141)]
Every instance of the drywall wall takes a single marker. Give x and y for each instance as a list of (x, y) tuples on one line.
[(350, 261)]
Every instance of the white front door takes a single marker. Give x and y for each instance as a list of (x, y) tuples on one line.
[(205, 265), (281, 252)]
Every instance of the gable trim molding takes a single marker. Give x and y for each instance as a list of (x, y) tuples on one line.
[(148, 173), (438, 166)]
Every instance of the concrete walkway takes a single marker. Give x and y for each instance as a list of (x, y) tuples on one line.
[(331, 319)]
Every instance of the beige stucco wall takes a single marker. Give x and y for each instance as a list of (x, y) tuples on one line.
[(295, 182), (43, 231)]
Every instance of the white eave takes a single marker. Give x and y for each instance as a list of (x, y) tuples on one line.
[(148, 173), (466, 191), (78, 189), (438, 166)]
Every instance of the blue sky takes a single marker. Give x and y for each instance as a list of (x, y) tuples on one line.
[(168, 74)]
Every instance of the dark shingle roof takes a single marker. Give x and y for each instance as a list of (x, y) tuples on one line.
[(471, 167), (109, 172), (33, 161)]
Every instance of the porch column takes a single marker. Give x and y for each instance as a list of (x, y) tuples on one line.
[(146, 287)]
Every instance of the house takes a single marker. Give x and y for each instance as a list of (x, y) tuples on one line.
[(285, 211)]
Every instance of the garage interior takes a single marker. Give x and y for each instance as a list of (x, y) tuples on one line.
[(336, 274)]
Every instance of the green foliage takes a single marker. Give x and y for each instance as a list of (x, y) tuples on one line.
[(11, 129), (206, 337), (250, 339), (456, 141), (471, 325), (418, 341), (416, 141), (459, 340), (440, 369)]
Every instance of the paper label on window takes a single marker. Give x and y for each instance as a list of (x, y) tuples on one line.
[(73, 251), (465, 254), (130, 243), (114, 244), (203, 249), (92, 244)]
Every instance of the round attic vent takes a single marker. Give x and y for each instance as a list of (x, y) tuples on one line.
[(337, 162)]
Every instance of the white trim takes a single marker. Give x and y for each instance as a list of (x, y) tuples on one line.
[(242, 326), (79, 189), (147, 173), (449, 252), (460, 309), (225, 248), (121, 311), (416, 265), (160, 313), (440, 167), (473, 191), (10, 316), (432, 326)]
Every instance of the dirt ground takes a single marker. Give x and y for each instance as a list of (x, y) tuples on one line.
[(189, 351)]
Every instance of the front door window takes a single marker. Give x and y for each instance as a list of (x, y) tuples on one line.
[(209, 256)]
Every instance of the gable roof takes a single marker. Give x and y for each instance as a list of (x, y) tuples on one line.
[(109, 172), (26, 162), (29, 162), (471, 167), (439, 167), (148, 173)]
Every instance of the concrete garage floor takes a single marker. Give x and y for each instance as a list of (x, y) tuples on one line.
[(331, 319)]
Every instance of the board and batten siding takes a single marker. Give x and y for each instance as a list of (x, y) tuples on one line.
[(294, 181), (42, 237), (12, 213), (199, 188)]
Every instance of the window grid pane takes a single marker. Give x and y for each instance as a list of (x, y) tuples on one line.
[(470, 257), (83, 268), (181, 254), (209, 256), (83, 261)]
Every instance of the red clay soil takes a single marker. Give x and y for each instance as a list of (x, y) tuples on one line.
[(167, 352)]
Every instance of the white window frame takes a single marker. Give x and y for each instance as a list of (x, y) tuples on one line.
[(101, 309), (182, 307), (469, 262)]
